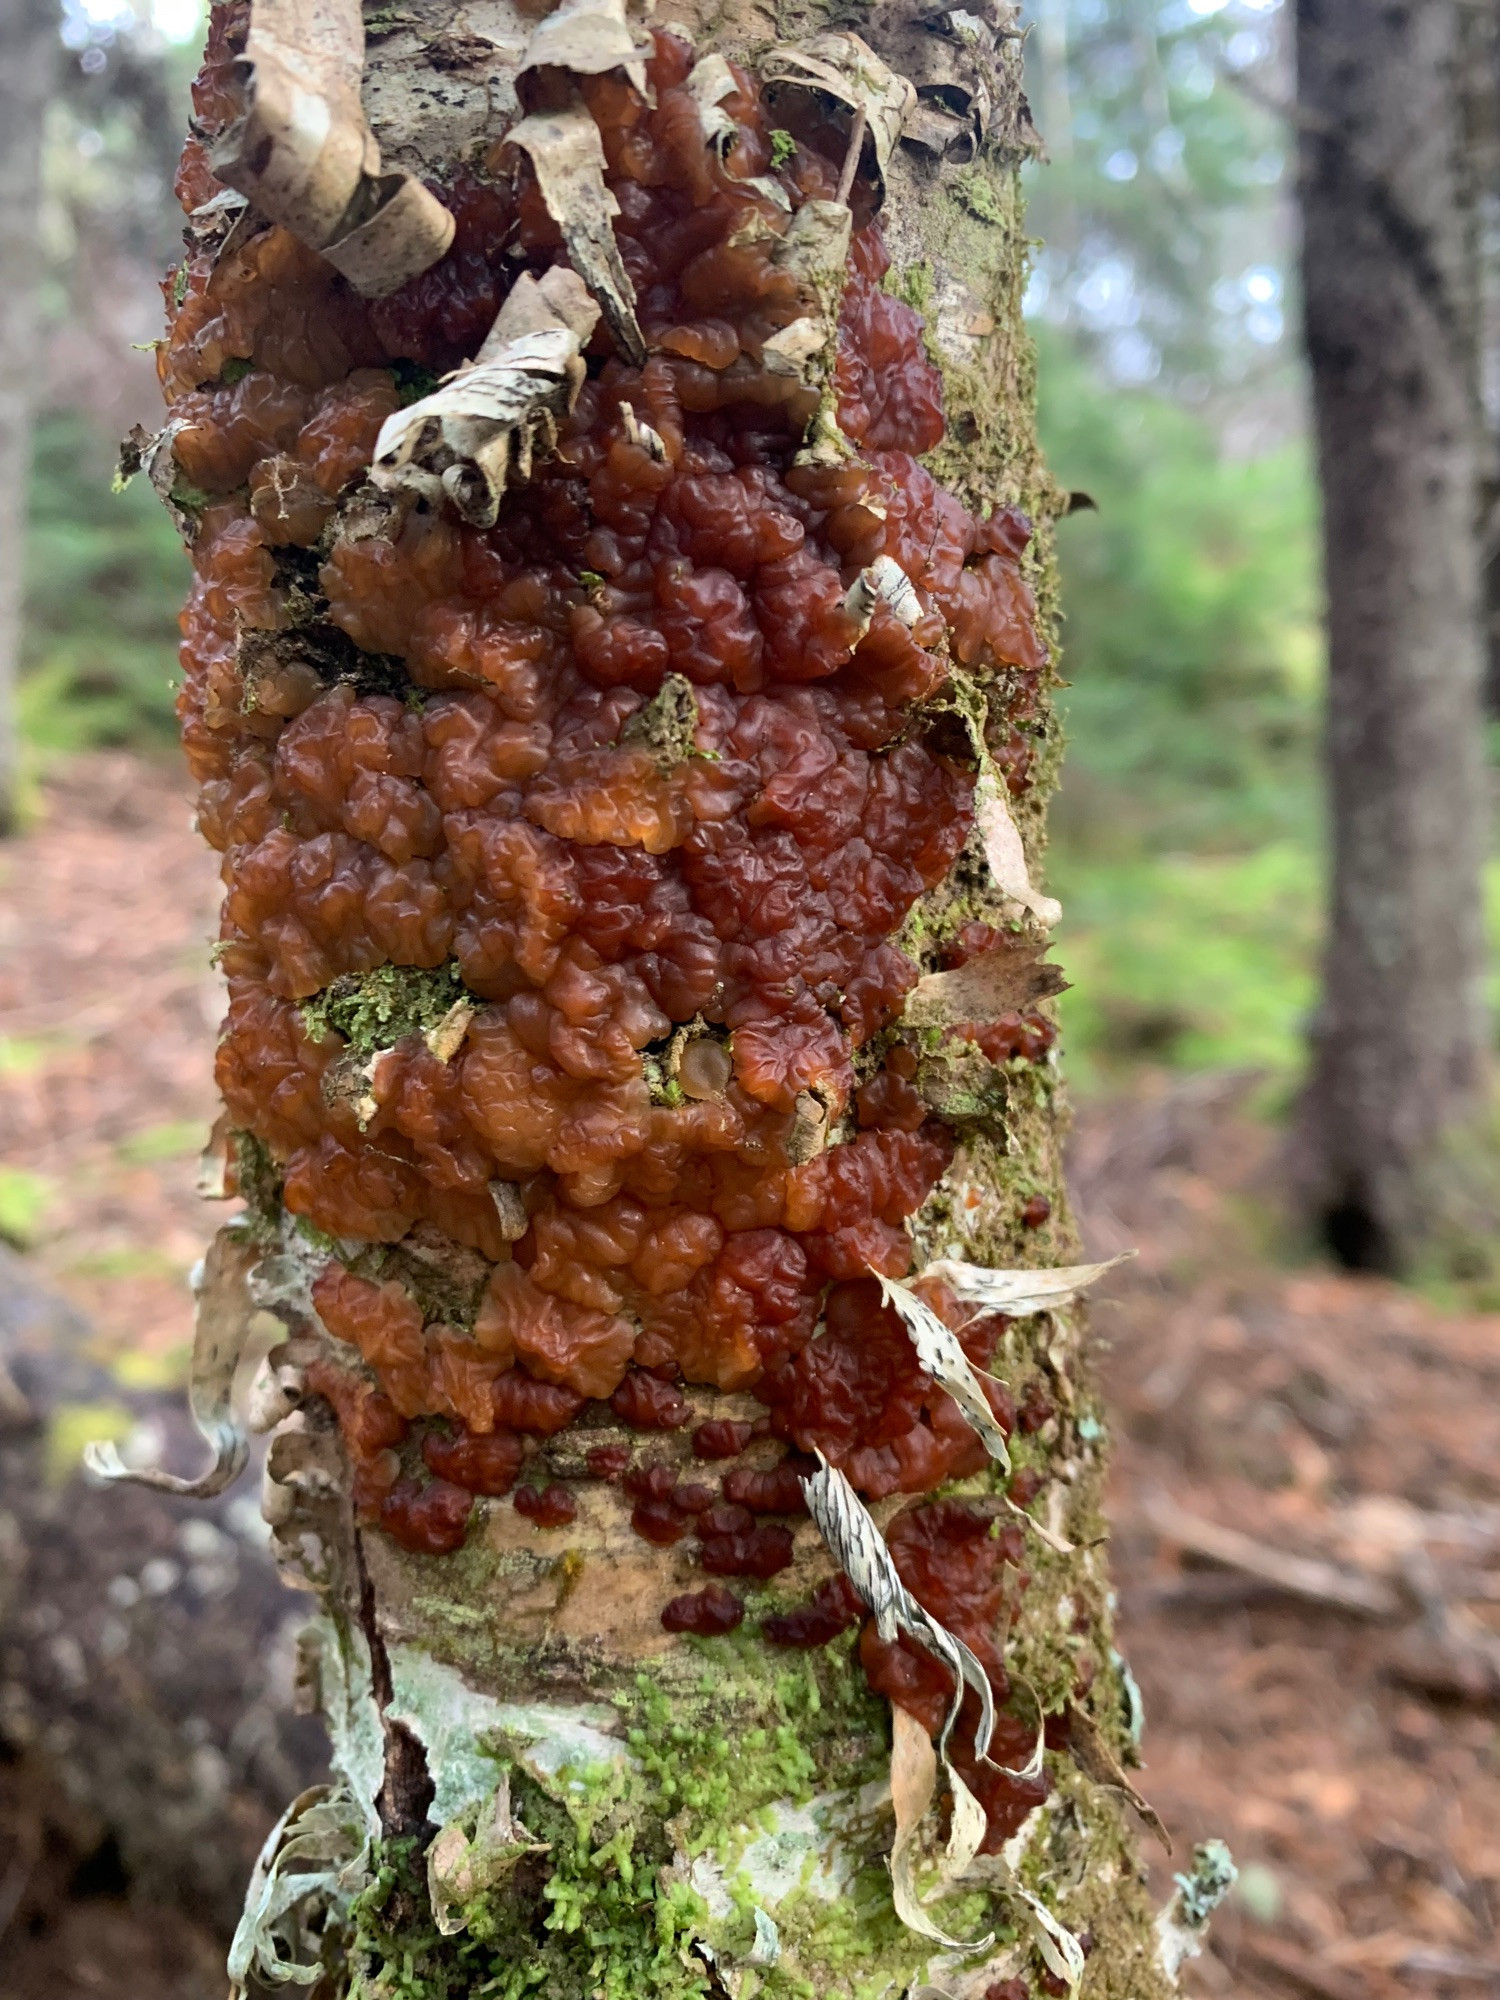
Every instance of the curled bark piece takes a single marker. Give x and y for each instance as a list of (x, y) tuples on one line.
[(940, 1353), (314, 1863), (1002, 980), (447, 1038), (467, 439), (1094, 1757), (847, 70), (938, 131), (794, 348), (303, 152), (212, 1181), (567, 156), (951, 58), (462, 1865), (858, 1547), (151, 452), (815, 248), (643, 436), (225, 1313), (913, 1783), (710, 83), (1017, 1293), (884, 582), (1004, 852), (1061, 1952), (588, 37), (815, 252)]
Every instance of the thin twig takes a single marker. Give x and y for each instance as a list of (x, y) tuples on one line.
[(851, 158), (1300, 1576)]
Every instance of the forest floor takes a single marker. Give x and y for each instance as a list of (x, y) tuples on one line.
[(1350, 1756)]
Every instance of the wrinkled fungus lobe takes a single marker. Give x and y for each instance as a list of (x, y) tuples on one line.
[(413, 745)]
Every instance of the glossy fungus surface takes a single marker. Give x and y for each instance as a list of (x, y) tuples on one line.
[(678, 1125), (550, 1506)]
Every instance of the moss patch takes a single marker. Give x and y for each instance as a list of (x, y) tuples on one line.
[(610, 1909), (374, 1010), (664, 725)]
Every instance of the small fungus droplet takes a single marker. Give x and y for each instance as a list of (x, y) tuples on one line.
[(706, 1612), (484, 1464), (649, 1404), (548, 1506), (720, 1439), (609, 1461), (430, 1519)]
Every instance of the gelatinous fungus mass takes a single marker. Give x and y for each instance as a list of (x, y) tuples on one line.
[(427, 746)]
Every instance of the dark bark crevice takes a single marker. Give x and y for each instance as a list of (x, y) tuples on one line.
[(408, 1790)]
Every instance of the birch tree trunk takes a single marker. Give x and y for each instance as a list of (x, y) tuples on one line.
[(28, 57), (627, 758), (1390, 279)]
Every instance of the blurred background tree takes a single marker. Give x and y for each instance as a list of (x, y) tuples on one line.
[(1392, 1128), (1186, 844), (105, 573)]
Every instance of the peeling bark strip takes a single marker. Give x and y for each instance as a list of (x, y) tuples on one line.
[(618, 692), (303, 152)]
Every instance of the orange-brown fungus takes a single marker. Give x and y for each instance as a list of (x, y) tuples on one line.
[(421, 745)]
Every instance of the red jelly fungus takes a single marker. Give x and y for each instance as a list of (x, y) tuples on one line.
[(368, 1421), (761, 1552), (532, 1406), (486, 1464), (652, 1481), (1035, 1406), (427, 746), (835, 1606), (720, 1439), (648, 1404), (548, 1506), (658, 1521), (609, 1461), (706, 1612), (777, 1490), (430, 1519)]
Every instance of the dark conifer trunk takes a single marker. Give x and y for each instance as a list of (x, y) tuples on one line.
[(1389, 276)]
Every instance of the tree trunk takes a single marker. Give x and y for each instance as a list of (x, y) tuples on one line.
[(1389, 275), (28, 57), (631, 954)]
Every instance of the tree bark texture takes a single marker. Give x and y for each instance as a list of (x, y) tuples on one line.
[(28, 63), (1389, 275), (626, 757)]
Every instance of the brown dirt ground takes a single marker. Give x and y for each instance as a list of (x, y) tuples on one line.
[(1316, 1413)]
